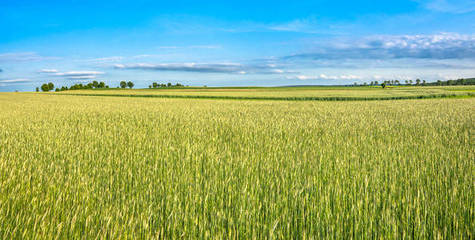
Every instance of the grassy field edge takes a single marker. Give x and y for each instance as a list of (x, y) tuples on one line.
[(466, 95)]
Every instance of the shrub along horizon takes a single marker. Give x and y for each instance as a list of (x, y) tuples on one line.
[(46, 87), (92, 85), (162, 85)]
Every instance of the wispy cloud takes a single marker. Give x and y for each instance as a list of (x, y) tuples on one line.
[(449, 6), (438, 46), (23, 57), (17, 80), (236, 68), (193, 24), (48, 71), (82, 77), (325, 77), (304, 25), (185, 67), (78, 73), (73, 75), (106, 59)]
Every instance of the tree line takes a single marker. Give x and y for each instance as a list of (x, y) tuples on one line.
[(50, 86), (418, 82), (97, 85), (92, 85), (162, 85)]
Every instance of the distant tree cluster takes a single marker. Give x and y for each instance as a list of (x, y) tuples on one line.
[(92, 85), (124, 84), (419, 82), (462, 81), (46, 87), (162, 85)]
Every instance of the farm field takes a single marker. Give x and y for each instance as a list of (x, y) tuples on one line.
[(124, 167), (289, 92)]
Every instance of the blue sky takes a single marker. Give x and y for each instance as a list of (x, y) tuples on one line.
[(239, 43)]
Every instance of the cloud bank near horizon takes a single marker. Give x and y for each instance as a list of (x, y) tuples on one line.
[(437, 46)]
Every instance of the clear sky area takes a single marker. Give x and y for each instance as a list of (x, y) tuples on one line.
[(234, 43)]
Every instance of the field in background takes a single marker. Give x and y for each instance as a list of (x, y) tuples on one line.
[(109, 167), (290, 92)]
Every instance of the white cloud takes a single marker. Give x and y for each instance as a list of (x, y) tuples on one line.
[(78, 73), (73, 75), (23, 57), (186, 67), (48, 71), (232, 68), (306, 25), (17, 80), (436, 46), (449, 6), (106, 59), (82, 77), (325, 77)]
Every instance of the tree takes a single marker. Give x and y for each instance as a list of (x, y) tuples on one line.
[(439, 82), (418, 81), (101, 85), (423, 82), (95, 84), (155, 85), (45, 87), (169, 84), (37, 89), (123, 84), (410, 82), (383, 85), (50, 86), (56, 90), (376, 83), (149, 86), (130, 84)]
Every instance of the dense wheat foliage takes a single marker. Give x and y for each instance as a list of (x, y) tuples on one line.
[(140, 168)]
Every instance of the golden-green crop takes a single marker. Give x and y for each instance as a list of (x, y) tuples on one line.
[(290, 92), (115, 167)]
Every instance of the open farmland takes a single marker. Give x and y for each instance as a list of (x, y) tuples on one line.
[(122, 167), (290, 93)]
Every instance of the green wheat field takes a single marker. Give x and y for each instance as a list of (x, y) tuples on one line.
[(121, 167)]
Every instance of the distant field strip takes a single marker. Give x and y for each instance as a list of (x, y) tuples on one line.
[(297, 98), (288, 93)]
